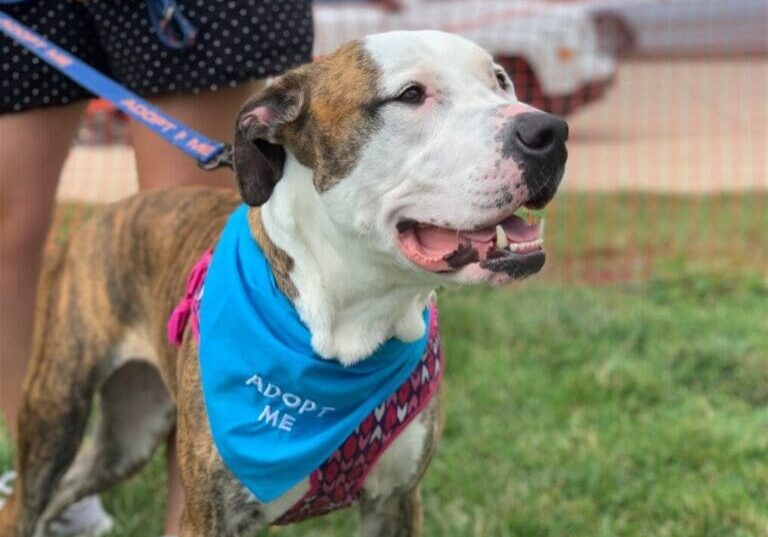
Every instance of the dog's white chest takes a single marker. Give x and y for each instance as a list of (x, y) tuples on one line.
[(398, 465), (396, 468)]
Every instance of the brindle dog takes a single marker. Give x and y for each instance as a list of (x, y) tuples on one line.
[(362, 204)]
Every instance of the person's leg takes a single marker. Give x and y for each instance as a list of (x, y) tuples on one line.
[(162, 165), (33, 146)]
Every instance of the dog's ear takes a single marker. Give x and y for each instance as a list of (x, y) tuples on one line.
[(259, 155)]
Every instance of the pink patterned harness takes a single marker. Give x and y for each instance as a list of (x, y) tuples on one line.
[(340, 479)]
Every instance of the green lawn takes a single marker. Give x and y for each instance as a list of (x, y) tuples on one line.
[(599, 238), (637, 407)]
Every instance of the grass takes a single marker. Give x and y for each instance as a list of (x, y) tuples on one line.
[(638, 407), (599, 238), (609, 237)]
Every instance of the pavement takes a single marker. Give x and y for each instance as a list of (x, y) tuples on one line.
[(683, 126)]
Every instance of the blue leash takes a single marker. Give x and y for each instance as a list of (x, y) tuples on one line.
[(208, 153)]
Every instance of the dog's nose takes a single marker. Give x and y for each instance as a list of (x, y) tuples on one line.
[(539, 134), (536, 140)]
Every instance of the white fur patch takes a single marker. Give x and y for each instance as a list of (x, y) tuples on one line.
[(437, 163), (399, 462)]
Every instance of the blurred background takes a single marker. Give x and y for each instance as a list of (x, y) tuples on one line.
[(668, 105), (624, 391)]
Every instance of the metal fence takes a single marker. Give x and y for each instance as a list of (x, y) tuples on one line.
[(667, 106)]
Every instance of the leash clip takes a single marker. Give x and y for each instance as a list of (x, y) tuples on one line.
[(171, 26), (222, 159), (168, 15)]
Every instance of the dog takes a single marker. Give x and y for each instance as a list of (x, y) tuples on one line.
[(383, 171)]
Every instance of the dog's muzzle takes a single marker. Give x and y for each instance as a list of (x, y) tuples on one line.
[(536, 142)]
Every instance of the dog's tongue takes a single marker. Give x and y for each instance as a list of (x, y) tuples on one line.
[(438, 241), (437, 248), (515, 228)]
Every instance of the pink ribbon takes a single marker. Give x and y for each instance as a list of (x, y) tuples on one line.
[(188, 307)]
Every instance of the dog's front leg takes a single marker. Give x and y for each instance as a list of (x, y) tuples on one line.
[(215, 503), (397, 515)]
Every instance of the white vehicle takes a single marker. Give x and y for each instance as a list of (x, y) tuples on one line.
[(550, 51), (666, 27)]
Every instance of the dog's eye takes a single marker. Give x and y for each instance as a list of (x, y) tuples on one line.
[(501, 78), (413, 94)]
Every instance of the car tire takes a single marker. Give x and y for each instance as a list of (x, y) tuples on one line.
[(614, 35), (527, 86)]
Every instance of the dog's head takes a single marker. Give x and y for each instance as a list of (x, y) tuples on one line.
[(419, 147)]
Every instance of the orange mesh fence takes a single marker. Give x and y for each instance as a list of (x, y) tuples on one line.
[(667, 107)]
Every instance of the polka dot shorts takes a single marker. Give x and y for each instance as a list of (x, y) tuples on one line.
[(237, 40)]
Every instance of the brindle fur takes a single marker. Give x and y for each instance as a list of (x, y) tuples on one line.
[(342, 108), (324, 113), (103, 306), (280, 262)]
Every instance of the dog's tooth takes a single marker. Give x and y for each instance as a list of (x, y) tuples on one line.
[(501, 238)]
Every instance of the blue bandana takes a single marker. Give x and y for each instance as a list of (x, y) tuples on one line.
[(277, 410)]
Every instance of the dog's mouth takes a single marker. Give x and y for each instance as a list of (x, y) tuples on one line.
[(512, 245)]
